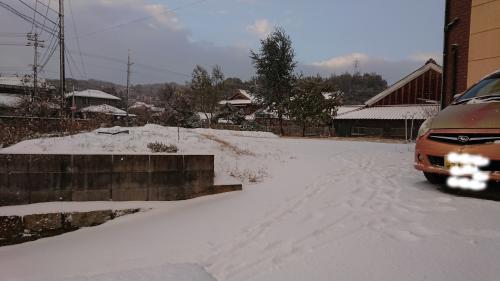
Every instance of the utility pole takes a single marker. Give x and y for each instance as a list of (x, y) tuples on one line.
[(129, 64), (62, 75), (33, 41)]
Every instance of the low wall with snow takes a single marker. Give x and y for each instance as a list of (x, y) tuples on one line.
[(32, 178)]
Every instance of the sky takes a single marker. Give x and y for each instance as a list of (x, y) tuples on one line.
[(167, 38)]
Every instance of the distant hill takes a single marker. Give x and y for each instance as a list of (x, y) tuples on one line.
[(358, 88)]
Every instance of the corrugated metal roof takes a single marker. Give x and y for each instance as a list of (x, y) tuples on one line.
[(347, 108), (418, 112)]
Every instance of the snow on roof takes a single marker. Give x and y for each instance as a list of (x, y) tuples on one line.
[(20, 81), (247, 94), (347, 108), (331, 95), (236, 102), (151, 107), (418, 112), (250, 117), (92, 94), (105, 109), (248, 98), (431, 64), (10, 100), (203, 115)]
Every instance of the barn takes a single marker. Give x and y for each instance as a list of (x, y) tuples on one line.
[(398, 111)]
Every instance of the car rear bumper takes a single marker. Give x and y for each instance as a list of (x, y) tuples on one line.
[(429, 154)]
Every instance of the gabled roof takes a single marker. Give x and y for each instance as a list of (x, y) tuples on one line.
[(431, 64), (242, 97), (92, 94), (246, 94), (392, 112)]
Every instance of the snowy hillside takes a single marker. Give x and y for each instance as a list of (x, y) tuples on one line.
[(309, 210)]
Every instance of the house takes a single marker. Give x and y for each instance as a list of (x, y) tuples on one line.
[(90, 102), (397, 111), (471, 44), (16, 89), (243, 100), (85, 98)]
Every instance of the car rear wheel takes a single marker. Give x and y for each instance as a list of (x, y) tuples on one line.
[(435, 178)]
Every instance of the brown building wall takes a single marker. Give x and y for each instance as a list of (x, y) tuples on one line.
[(484, 44), (456, 48), (424, 87)]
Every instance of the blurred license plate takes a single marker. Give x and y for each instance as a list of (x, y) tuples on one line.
[(447, 164)]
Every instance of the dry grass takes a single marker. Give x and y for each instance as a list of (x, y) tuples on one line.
[(236, 150)]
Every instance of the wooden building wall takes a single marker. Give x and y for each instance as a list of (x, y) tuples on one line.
[(425, 87)]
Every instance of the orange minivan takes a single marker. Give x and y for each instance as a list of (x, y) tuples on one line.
[(471, 124)]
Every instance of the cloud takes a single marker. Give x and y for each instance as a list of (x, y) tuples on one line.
[(108, 28), (163, 15), (342, 61), (423, 57), (261, 27), (391, 70)]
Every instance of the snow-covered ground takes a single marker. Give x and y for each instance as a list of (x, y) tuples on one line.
[(310, 210)]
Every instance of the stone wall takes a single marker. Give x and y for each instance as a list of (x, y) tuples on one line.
[(33, 178), (19, 229)]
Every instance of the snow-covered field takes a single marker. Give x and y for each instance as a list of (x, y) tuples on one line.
[(310, 210)]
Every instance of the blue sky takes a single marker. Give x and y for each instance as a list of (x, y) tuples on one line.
[(395, 29), (390, 37)]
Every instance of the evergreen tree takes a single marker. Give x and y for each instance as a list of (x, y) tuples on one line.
[(314, 102), (275, 64)]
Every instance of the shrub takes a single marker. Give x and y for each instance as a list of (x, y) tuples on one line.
[(157, 147)]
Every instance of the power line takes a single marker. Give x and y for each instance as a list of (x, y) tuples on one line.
[(48, 7), (118, 25), (49, 56), (77, 39), (34, 17), (46, 14), (70, 56), (23, 16), (52, 44), (36, 12), (12, 35), (11, 44), (142, 65)]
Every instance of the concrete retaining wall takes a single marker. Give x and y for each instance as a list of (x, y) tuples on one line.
[(32, 178)]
